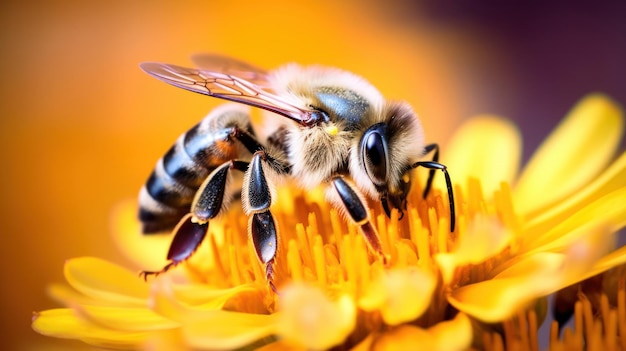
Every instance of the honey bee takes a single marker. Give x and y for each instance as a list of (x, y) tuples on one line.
[(323, 126)]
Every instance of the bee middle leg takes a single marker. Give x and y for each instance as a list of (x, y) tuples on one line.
[(257, 199)]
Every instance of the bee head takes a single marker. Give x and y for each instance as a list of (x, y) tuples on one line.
[(386, 151)]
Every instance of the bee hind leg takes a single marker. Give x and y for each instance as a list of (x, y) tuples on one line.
[(192, 228)]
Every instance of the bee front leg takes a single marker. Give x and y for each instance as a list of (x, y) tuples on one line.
[(433, 166), (210, 200), (353, 205), (431, 174)]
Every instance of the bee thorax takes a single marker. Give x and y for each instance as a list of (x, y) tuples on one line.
[(316, 154)]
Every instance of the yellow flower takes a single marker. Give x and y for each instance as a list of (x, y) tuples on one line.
[(567, 203), (520, 237)]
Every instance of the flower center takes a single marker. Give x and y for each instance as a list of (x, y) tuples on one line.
[(317, 246)]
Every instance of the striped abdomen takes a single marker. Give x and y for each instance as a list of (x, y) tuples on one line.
[(167, 194)]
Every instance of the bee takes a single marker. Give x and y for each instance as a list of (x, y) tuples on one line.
[(321, 126)]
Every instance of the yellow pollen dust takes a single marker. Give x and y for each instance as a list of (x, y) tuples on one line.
[(406, 178), (331, 130)]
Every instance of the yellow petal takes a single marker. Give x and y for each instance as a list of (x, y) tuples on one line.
[(70, 297), (165, 300), (486, 148), (206, 328), (610, 180), (125, 318), (229, 330), (587, 246), (62, 323), (572, 156), (614, 259), (513, 289), (67, 295), (100, 279), (572, 262), (585, 252), (484, 239), (452, 335), (146, 251), (401, 295), (533, 265), (278, 345), (310, 319), (210, 298), (608, 211), (165, 340)]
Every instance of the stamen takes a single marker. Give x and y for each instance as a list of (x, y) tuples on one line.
[(320, 262), (337, 229), (385, 240), (217, 258), (504, 205), (433, 223), (294, 262), (304, 246), (621, 311), (442, 235), (533, 328), (423, 245), (234, 266), (312, 230), (334, 272), (349, 262), (475, 201), (603, 330)]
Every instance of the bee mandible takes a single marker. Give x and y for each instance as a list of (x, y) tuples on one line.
[(322, 126)]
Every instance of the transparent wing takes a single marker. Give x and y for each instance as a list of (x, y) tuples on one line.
[(228, 65), (233, 88)]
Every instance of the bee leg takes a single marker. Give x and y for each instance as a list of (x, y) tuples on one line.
[(257, 199), (431, 173), (264, 237), (207, 204), (188, 235), (354, 206), (433, 166)]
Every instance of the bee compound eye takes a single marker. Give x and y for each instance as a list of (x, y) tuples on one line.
[(375, 156)]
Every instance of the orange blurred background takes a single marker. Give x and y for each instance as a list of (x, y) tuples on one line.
[(81, 126)]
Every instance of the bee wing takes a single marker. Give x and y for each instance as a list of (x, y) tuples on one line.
[(233, 88), (228, 65)]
